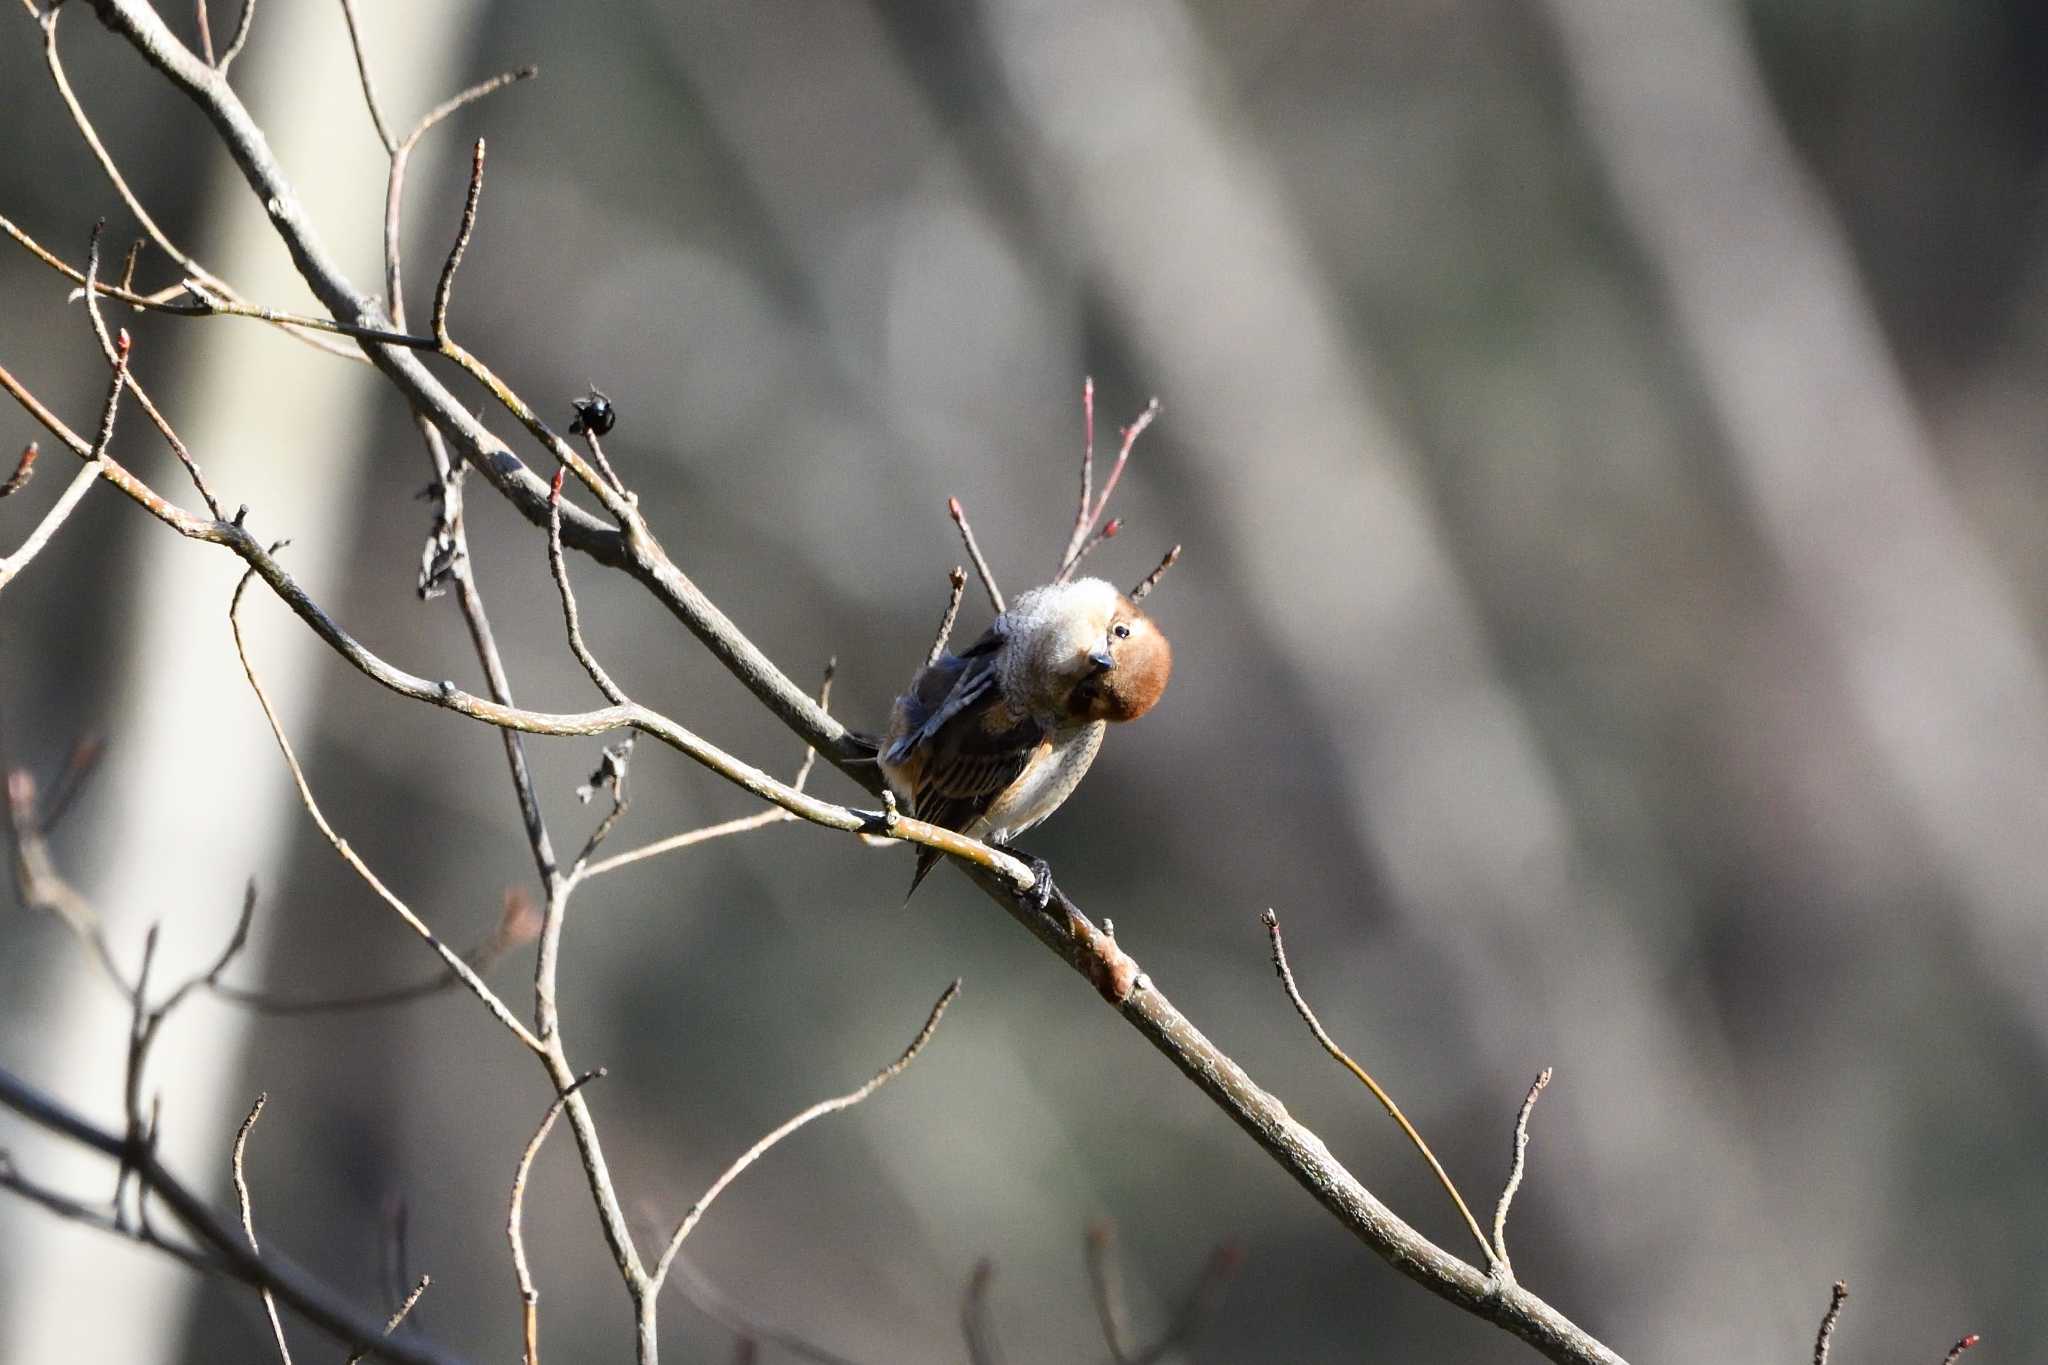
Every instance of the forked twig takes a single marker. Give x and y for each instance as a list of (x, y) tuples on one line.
[(1308, 1016), (1087, 517)]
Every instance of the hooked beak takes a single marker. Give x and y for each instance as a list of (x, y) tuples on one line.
[(1101, 659)]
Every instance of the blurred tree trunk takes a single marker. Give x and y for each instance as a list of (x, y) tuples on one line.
[(195, 799)]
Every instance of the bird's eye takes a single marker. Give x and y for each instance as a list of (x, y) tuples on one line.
[(1121, 631)]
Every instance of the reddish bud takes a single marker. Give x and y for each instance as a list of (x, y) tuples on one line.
[(121, 342), (555, 490), (953, 509), (1115, 524), (1970, 1340)]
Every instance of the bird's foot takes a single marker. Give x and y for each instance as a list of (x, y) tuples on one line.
[(1041, 876)]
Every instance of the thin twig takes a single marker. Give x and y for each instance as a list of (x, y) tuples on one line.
[(81, 483), (988, 579), (405, 1307), (816, 1111), (24, 470), (1308, 1016), (515, 1231), (1151, 580), (313, 1299), (462, 969), (956, 589), (1078, 544), (209, 304), (1961, 1346), (205, 35), (1080, 531), (284, 1352), (445, 289), (456, 103), (109, 347), (1521, 1152), (355, 42), (1825, 1338), (235, 44), (558, 565)]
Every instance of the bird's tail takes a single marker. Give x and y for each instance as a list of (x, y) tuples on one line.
[(927, 859)]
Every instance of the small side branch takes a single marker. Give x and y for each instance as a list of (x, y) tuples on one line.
[(957, 588), (404, 1311), (1308, 1016), (988, 578), (1961, 1346), (560, 568), (515, 1230), (284, 1351), (1824, 1340), (816, 1111), (1521, 1152), (445, 289), (1086, 519), (1151, 580)]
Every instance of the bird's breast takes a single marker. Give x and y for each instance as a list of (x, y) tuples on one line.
[(1050, 778)]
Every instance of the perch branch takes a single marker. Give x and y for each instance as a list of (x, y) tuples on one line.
[(515, 1228), (1824, 1340)]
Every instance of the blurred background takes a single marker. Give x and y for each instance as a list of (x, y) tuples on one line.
[(1607, 437)]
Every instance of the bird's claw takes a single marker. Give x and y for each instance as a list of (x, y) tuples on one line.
[(1041, 885)]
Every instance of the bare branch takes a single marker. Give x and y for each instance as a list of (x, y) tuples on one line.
[(560, 569), (67, 503), (205, 35), (446, 288), (1961, 1346), (1308, 1016), (1507, 1193), (988, 579), (456, 103), (956, 589), (236, 43), (1078, 544), (24, 470), (515, 1232), (1825, 1338), (1151, 580), (116, 352), (816, 1111), (355, 42), (284, 1352), (348, 855), (230, 1255), (405, 1307)]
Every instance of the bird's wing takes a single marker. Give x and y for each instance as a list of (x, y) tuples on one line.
[(976, 756), (955, 685)]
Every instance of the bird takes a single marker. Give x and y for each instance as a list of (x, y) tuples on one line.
[(991, 741)]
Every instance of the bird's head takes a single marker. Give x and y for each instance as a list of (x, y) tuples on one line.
[(1106, 659)]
